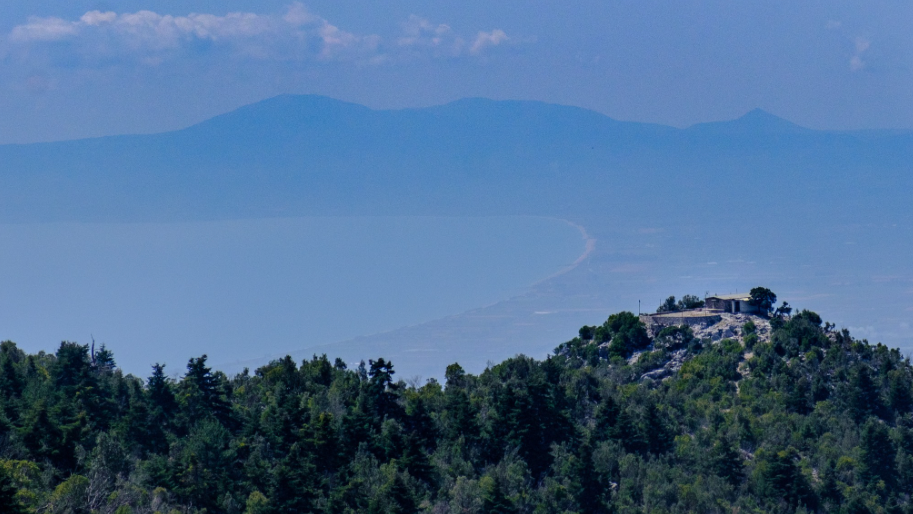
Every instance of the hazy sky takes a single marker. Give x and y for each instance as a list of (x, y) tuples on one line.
[(76, 68)]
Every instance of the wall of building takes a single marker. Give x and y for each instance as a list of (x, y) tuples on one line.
[(728, 306), (713, 303), (747, 308)]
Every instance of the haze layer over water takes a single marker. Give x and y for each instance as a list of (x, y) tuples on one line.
[(240, 290)]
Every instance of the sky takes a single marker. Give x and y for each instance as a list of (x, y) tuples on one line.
[(83, 68)]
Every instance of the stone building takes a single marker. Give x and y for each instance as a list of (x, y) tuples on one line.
[(735, 303)]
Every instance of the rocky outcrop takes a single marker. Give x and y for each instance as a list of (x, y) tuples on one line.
[(729, 326), (676, 359)]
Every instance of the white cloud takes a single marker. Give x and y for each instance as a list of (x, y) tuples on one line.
[(418, 30), (298, 34), (144, 27), (420, 34), (441, 40), (861, 44), (298, 15), (488, 39), (856, 63), (43, 29)]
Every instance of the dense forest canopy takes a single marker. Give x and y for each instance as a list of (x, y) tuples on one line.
[(802, 418)]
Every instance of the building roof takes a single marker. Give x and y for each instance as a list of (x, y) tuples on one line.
[(737, 296)]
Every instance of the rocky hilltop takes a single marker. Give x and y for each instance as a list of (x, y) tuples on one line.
[(746, 329), (730, 326), (655, 347)]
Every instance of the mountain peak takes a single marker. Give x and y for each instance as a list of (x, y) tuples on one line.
[(283, 113), (754, 121), (758, 116)]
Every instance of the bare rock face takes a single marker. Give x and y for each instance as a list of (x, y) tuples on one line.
[(677, 358), (674, 348), (730, 327)]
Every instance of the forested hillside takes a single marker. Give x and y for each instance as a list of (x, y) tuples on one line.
[(805, 420)]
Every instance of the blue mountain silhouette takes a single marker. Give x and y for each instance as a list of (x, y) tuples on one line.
[(301, 155)]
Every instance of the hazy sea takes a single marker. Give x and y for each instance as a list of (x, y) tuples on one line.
[(424, 292), (251, 290)]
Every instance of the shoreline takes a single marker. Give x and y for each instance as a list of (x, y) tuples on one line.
[(589, 248)]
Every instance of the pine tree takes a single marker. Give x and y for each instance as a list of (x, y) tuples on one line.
[(77, 384), (318, 371), (9, 504), (282, 418), (257, 504), (359, 425), (160, 391), (459, 414), (782, 480), (400, 496), (494, 501), (627, 433), (11, 381), (393, 497), (71, 369), (103, 359), (163, 405), (856, 505), (323, 442), (726, 462), (863, 394), (381, 388), (900, 392), (606, 418), (587, 486), (41, 436), (657, 434), (829, 490), (138, 424), (799, 396), (415, 461), (419, 422), (296, 484), (877, 453), (202, 393)]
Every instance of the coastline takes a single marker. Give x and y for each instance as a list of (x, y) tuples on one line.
[(589, 248)]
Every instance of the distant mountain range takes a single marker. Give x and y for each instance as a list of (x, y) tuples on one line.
[(312, 155)]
